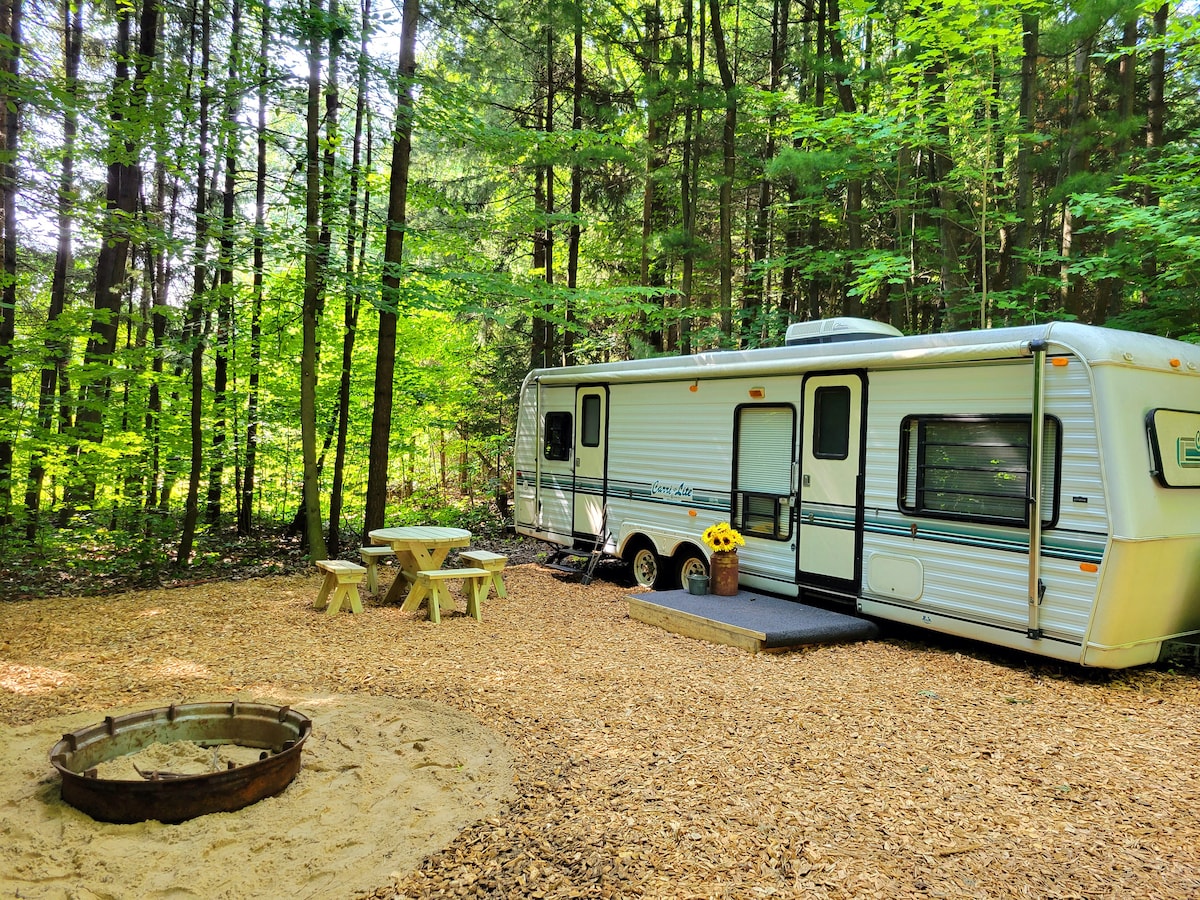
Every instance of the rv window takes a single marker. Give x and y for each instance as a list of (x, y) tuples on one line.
[(975, 468), (765, 438), (1175, 445), (558, 435), (589, 421), (831, 432)]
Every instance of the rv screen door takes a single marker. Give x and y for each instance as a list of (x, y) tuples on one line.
[(591, 445), (830, 521)]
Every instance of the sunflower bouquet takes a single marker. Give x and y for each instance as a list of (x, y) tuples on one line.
[(722, 538)]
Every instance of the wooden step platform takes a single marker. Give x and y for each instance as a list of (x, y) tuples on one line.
[(749, 620)]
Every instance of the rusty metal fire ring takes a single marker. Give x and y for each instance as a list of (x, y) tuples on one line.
[(278, 731)]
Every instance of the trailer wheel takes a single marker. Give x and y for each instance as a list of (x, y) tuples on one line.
[(689, 561), (647, 567)]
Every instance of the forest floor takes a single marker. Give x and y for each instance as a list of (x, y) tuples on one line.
[(560, 748), (100, 563)]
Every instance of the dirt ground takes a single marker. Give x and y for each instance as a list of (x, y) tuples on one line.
[(561, 749)]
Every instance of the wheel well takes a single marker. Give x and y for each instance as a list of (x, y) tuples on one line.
[(634, 543), (684, 548)]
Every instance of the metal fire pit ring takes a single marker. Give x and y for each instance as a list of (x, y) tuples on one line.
[(278, 731)]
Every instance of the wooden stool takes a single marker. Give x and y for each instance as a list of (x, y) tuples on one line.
[(492, 562), (341, 578), (370, 557), (475, 586)]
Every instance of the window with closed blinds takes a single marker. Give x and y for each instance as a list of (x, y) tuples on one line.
[(766, 436)]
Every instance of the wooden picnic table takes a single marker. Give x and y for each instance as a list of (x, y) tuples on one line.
[(418, 548)]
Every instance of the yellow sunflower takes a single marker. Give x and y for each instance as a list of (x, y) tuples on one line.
[(721, 538)]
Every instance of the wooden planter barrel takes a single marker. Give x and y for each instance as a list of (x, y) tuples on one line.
[(724, 573)]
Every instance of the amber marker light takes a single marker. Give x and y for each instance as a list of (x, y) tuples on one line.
[(1060, 361), (694, 386), (1174, 364), (1089, 567), (757, 393), (692, 513)]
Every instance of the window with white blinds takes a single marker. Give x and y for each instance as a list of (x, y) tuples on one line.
[(766, 436), (764, 453)]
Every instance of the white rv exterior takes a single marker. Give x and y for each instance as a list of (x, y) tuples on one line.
[(897, 473)]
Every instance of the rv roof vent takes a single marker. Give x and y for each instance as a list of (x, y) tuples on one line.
[(832, 331)]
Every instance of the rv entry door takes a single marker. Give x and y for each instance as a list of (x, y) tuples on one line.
[(591, 447), (830, 497)]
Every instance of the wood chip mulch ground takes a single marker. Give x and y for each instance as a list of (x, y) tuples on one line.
[(651, 765)]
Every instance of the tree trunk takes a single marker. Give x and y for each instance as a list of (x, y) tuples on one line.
[(542, 339), (729, 167), (1026, 113), (56, 350), (757, 282), (10, 123), (575, 232), (314, 531), (162, 277), (652, 206), (688, 172), (548, 189), (122, 192), (814, 222), (1109, 290), (232, 141), (945, 197), (350, 313), (193, 328), (393, 258), (1071, 287), (1156, 115), (854, 229), (246, 507)]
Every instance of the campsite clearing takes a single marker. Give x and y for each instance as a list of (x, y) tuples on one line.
[(642, 763)]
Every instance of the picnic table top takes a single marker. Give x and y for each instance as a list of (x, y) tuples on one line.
[(430, 535)]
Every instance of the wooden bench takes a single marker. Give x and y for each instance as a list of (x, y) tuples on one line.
[(492, 562), (370, 557), (341, 580), (475, 587)]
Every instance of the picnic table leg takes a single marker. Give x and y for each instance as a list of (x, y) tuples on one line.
[(355, 598), (436, 596), (335, 602), (406, 571), (326, 586), (498, 581), (419, 559), (476, 594), (345, 590), (416, 594)]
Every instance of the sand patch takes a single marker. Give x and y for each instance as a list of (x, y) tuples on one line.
[(383, 782)]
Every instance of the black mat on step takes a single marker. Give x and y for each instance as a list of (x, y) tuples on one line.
[(785, 623)]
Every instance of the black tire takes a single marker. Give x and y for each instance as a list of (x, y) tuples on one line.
[(647, 567), (688, 561)]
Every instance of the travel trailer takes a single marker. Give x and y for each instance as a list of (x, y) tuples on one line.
[(1035, 487)]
